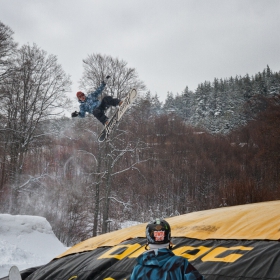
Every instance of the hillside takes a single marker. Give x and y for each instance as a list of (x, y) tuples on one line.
[(225, 104), (156, 164)]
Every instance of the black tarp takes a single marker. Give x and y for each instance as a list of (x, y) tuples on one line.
[(215, 260)]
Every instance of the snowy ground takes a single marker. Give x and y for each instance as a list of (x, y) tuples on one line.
[(26, 241)]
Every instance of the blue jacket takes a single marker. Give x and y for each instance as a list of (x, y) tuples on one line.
[(91, 101), (162, 264)]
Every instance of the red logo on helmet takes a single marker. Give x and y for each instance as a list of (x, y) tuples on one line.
[(159, 235)]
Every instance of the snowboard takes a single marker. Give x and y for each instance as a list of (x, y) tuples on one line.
[(14, 273), (113, 121)]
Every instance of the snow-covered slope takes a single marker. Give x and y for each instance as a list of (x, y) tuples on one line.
[(26, 241)]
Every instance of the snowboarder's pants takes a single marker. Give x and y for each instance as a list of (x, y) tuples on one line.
[(99, 112)]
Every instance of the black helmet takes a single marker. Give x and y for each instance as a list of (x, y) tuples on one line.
[(158, 232)]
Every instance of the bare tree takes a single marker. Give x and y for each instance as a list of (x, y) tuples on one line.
[(123, 78), (7, 48), (34, 91), (114, 154)]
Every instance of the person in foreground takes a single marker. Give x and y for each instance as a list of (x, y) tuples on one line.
[(159, 262), (92, 105)]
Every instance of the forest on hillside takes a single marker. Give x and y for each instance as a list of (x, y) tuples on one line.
[(223, 105), (215, 147)]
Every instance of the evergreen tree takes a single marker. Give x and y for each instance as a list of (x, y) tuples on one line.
[(220, 106)]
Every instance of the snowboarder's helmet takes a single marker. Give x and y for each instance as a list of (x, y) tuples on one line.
[(80, 94), (158, 232)]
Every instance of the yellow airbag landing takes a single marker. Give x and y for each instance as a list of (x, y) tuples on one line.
[(258, 221)]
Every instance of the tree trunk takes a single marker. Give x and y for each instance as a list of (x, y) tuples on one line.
[(108, 193), (97, 194)]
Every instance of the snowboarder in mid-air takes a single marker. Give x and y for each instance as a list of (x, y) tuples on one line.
[(92, 105)]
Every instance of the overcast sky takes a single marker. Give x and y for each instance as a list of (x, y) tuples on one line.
[(172, 44)]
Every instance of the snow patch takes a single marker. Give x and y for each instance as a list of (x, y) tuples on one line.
[(26, 241)]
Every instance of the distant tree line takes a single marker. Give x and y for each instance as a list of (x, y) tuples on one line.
[(162, 160), (222, 105)]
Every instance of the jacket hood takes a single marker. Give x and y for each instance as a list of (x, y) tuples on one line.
[(156, 257)]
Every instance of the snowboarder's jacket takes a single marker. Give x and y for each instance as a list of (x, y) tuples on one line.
[(162, 264), (91, 101)]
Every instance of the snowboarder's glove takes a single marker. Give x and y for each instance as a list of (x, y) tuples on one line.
[(75, 114), (107, 77)]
